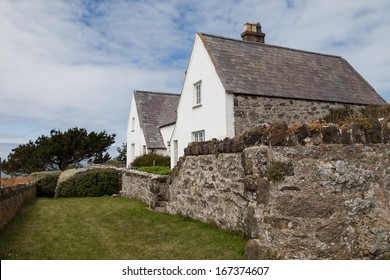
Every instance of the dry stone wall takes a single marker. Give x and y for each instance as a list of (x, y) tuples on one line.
[(331, 201), (150, 189), (11, 200), (210, 189), (308, 191)]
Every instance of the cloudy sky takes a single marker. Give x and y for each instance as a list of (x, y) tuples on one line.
[(67, 63)]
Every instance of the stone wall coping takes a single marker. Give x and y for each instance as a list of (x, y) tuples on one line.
[(304, 134)]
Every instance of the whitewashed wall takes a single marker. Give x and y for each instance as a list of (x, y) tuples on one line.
[(135, 137), (166, 133), (215, 116)]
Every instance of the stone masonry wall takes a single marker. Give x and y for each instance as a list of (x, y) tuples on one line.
[(329, 202), (251, 111), (11, 200), (210, 189), (150, 189), (305, 191)]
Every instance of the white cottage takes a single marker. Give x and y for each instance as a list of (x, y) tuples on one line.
[(151, 121), (232, 85)]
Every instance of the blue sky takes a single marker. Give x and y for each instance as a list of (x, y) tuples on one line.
[(76, 63)]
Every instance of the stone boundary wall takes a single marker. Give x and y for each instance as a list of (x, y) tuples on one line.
[(11, 200), (328, 201), (150, 189), (249, 110), (306, 191)]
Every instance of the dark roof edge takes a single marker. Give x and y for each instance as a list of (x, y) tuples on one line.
[(167, 124), (305, 99), (266, 45), (155, 92)]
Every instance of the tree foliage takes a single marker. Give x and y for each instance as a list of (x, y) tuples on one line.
[(122, 152), (58, 151)]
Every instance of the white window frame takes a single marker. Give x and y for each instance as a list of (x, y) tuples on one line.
[(198, 94), (198, 136)]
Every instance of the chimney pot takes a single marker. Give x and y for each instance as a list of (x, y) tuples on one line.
[(252, 33)]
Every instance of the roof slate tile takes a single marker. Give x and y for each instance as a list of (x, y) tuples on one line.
[(265, 70), (155, 109)]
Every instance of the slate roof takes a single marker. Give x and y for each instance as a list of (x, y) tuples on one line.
[(266, 70), (155, 109)]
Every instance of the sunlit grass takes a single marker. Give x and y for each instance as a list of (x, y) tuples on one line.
[(111, 228)]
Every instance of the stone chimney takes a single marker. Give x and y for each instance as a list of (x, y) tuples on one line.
[(252, 33)]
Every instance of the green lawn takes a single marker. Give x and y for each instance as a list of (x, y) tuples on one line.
[(110, 228)]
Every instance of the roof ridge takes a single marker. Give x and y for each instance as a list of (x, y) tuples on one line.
[(267, 45)]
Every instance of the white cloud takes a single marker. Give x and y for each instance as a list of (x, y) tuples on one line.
[(75, 63)]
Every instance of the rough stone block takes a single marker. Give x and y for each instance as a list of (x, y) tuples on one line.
[(253, 136), (213, 146), (302, 134), (357, 134), (237, 145), (359, 206), (374, 134), (255, 250), (278, 133), (380, 243), (345, 135), (254, 183), (330, 134)]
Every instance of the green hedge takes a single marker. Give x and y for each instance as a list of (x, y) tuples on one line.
[(151, 159), (46, 182), (93, 182)]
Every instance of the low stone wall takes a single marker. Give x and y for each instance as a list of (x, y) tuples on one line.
[(306, 202), (150, 189), (308, 191), (211, 189), (11, 200)]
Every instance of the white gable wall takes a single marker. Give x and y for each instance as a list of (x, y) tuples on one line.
[(214, 116), (135, 135)]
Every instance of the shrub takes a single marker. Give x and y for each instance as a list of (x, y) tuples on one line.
[(339, 115), (159, 170), (275, 171), (152, 159), (69, 173), (93, 182), (46, 182)]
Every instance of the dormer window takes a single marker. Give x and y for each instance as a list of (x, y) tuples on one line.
[(198, 94)]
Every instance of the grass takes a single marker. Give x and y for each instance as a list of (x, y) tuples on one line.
[(159, 170), (109, 228)]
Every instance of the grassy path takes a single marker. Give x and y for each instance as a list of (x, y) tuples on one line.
[(110, 228)]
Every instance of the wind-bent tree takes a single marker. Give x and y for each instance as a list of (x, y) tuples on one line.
[(58, 151), (122, 152)]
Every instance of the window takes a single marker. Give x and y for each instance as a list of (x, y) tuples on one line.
[(198, 93), (144, 149), (132, 124), (198, 136), (132, 151)]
